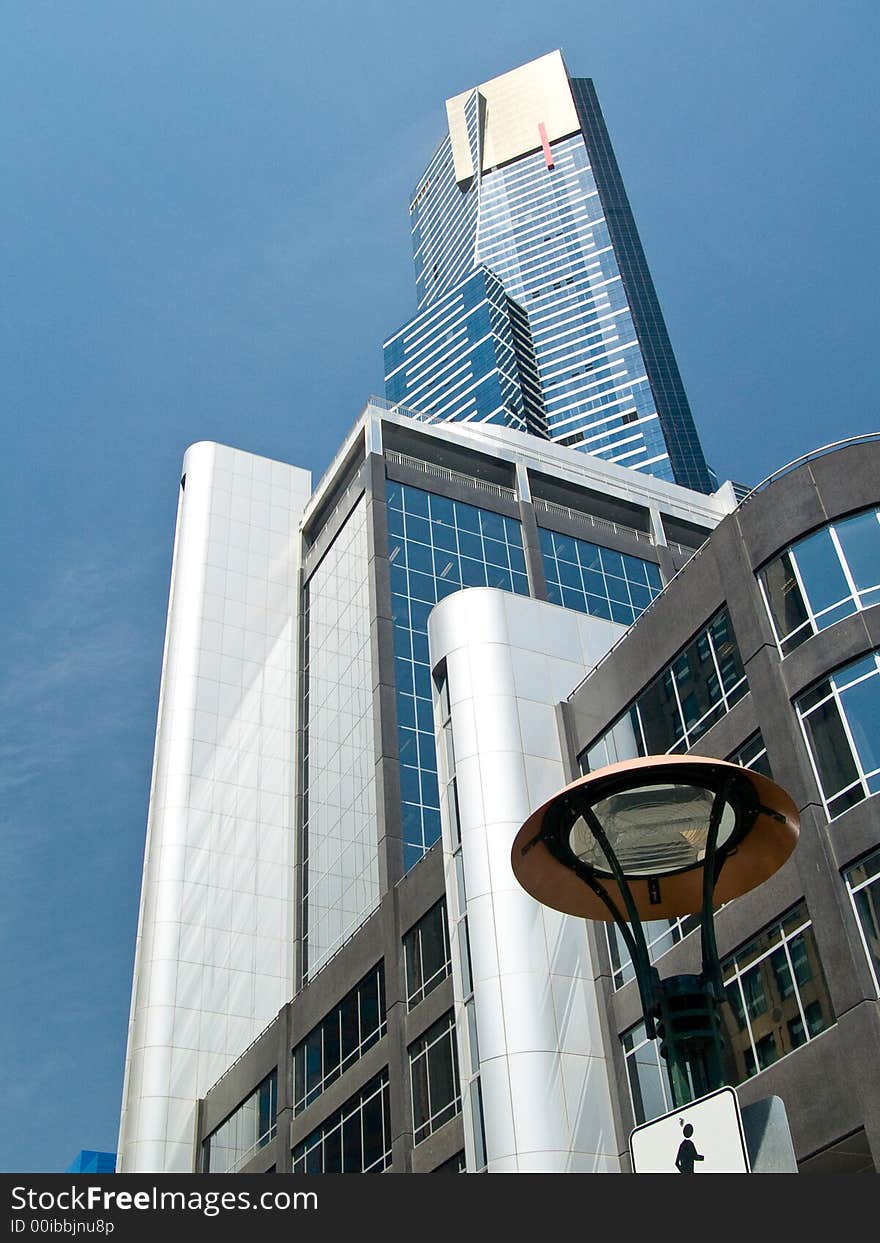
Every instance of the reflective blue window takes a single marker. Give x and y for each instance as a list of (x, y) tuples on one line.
[(436, 546), (823, 578), (543, 236), (840, 717), (466, 358), (596, 580)]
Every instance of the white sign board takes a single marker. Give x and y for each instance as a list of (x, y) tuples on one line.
[(705, 1137)]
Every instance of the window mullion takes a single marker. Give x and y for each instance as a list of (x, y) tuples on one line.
[(794, 984), (747, 1018), (844, 565), (808, 604), (684, 727), (857, 760)]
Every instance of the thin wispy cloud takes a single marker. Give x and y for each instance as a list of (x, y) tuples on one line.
[(77, 695), (77, 638)]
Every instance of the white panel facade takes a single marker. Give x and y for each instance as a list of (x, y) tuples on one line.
[(543, 1076), (517, 102), (340, 850), (214, 955)]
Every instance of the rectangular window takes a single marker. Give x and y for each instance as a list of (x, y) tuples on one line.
[(863, 883), (475, 1093), (776, 1000), (683, 701), (427, 955), (661, 935), (354, 1140), (840, 718), (646, 1074), (247, 1130), (753, 754), (436, 1092), (777, 995), (828, 575), (469, 1071), (595, 580), (339, 1040)]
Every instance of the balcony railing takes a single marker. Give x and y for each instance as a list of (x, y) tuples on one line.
[(599, 524), (449, 476)]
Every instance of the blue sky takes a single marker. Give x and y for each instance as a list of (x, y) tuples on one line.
[(205, 233)]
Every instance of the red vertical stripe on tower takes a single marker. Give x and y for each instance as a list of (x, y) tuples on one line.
[(548, 154)]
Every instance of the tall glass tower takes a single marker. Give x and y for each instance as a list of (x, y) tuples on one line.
[(525, 187)]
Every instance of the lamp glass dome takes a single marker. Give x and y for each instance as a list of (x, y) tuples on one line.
[(652, 829)]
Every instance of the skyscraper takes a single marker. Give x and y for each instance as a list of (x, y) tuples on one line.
[(525, 186), (297, 778)]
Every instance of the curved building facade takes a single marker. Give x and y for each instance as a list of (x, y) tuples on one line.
[(765, 649)]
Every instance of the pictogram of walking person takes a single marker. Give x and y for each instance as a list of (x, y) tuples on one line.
[(687, 1152)]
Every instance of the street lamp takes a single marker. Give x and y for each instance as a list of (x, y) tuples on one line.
[(657, 838)]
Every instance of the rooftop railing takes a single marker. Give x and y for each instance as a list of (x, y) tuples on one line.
[(450, 476), (808, 457), (600, 524)]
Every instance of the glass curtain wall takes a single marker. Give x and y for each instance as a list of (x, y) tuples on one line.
[(543, 232), (596, 580), (436, 546), (468, 357)]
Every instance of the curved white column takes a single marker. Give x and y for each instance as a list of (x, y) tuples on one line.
[(545, 1081)]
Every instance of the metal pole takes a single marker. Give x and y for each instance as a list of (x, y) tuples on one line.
[(682, 1010)]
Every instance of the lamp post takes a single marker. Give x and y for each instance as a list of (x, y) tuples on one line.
[(658, 838)]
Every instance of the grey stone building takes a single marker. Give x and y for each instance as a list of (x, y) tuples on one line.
[(781, 601)]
